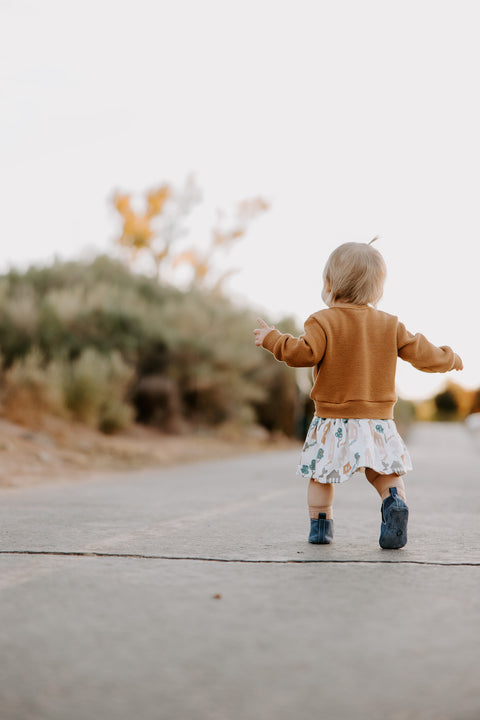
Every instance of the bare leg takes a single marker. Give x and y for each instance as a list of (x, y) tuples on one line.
[(382, 483), (320, 499)]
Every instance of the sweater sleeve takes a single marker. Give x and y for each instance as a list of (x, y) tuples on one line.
[(305, 351), (422, 354)]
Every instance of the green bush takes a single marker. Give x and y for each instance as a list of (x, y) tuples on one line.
[(104, 331), (446, 405), (90, 389), (94, 386)]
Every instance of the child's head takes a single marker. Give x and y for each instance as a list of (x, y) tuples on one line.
[(354, 273)]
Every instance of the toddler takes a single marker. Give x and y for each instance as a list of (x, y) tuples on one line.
[(353, 349)]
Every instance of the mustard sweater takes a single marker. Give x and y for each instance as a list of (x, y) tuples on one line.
[(353, 350)]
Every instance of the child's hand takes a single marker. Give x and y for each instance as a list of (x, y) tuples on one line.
[(262, 331), (458, 363)]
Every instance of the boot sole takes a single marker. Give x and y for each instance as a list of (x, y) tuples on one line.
[(394, 531)]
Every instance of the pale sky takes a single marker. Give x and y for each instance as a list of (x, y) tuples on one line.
[(352, 118)]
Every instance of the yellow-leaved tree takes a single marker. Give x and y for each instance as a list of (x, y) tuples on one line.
[(155, 228)]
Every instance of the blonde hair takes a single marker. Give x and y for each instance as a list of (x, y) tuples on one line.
[(356, 274)]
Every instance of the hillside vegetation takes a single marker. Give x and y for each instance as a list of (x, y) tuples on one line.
[(97, 343)]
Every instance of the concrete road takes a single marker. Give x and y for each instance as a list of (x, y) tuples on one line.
[(192, 594)]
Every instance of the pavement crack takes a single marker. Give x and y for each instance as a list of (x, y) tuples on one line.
[(246, 561)]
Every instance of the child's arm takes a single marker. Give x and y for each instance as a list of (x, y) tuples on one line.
[(423, 355), (305, 351)]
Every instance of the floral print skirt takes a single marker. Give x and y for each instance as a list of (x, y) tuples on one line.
[(336, 448)]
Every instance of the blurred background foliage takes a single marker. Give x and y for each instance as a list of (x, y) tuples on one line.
[(453, 403), (101, 343)]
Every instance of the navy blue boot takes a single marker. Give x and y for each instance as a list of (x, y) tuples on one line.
[(393, 533), (321, 530)]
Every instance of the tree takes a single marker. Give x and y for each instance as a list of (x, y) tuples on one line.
[(153, 229), (446, 405)]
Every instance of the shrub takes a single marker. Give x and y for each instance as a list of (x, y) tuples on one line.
[(29, 390), (91, 389), (94, 339), (94, 388), (446, 405)]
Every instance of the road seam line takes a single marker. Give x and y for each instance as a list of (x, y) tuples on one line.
[(138, 556)]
